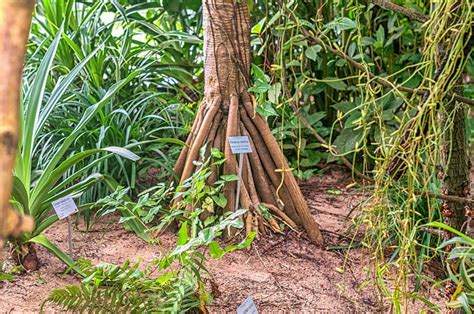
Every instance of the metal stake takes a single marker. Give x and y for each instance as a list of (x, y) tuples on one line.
[(69, 233), (239, 181)]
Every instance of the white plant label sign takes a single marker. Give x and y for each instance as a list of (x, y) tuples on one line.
[(247, 307), (239, 144), (65, 207)]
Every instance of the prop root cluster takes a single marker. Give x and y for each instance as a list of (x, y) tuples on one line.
[(268, 186)]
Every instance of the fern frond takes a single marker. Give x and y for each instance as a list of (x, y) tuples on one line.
[(112, 288)]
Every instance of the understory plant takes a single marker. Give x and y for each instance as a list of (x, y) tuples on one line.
[(136, 216), (150, 114), (156, 208), (459, 262), (419, 165), (40, 180), (172, 282)]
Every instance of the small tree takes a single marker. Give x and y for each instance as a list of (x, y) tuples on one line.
[(228, 110)]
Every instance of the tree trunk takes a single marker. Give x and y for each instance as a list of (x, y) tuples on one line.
[(457, 169), (455, 148), (228, 110), (15, 19)]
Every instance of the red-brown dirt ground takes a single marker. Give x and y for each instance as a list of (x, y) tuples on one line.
[(281, 273)]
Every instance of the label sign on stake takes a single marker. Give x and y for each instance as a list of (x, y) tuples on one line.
[(64, 207), (247, 307), (240, 144)]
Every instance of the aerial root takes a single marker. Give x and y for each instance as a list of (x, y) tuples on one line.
[(179, 166), (201, 135), (268, 189)]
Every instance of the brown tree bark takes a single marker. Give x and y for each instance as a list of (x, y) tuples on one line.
[(389, 5), (455, 149), (15, 19), (457, 167), (268, 179)]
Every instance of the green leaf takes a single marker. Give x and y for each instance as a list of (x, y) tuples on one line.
[(33, 101), (229, 177), (122, 152), (274, 93), (440, 225), (215, 250), (462, 298), (46, 182), (341, 24), (19, 194), (183, 236), (352, 120), (267, 110), (335, 83), (220, 200), (259, 74), (381, 34), (58, 92), (314, 88), (312, 52), (242, 245), (346, 141), (334, 191), (344, 106), (260, 87), (316, 117), (465, 275), (51, 174), (6, 277)]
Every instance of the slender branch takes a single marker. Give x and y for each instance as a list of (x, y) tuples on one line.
[(412, 14), (344, 160), (451, 198), (382, 81), (349, 165)]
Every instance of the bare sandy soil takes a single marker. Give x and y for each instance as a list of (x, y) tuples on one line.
[(281, 273)]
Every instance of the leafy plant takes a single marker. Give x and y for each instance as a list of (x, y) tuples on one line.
[(37, 184), (460, 267), (149, 115), (134, 215), (194, 195), (125, 288), (197, 199)]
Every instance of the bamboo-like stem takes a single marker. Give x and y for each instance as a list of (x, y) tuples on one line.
[(248, 222), (412, 14), (251, 184), (219, 144), (230, 166), (258, 176), (213, 133), (281, 214), (15, 19), (380, 80)]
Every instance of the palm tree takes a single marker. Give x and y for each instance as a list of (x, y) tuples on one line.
[(228, 110)]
